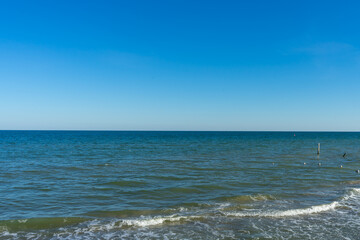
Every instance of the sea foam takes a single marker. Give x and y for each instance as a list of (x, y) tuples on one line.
[(154, 221), (352, 194), (286, 213)]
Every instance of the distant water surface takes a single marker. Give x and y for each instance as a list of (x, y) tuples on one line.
[(179, 185)]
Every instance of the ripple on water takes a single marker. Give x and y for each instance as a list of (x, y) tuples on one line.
[(126, 183)]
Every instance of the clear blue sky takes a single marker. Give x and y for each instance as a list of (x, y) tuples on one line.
[(180, 65)]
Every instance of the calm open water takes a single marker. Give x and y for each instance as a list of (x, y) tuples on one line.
[(179, 185)]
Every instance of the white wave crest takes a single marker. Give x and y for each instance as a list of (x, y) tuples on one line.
[(353, 193), (286, 213), (155, 220)]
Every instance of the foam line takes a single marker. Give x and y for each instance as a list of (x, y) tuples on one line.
[(155, 220), (286, 213), (351, 194)]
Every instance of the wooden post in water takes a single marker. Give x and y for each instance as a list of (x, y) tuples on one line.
[(318, 150)]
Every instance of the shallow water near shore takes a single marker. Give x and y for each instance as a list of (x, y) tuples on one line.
[(179, 185)]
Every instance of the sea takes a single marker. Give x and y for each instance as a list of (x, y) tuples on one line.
[(179, 185)]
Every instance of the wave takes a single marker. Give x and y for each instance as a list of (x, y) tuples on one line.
[(129, 213), (286, 213), (247, 198), (353, 193), (183, 190), (210, 187), (353, 182), (38, 223), (112, 220), (157, 220), (126, 183)]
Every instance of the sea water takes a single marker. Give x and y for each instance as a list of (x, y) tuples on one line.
[(179, 185)]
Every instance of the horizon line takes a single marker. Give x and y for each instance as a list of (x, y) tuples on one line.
[(117, 130)]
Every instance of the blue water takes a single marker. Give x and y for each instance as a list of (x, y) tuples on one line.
[(179, 185)]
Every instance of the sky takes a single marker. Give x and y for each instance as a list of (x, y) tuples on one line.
[(180, 65)]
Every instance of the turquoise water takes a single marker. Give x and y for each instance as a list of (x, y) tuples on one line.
[(179, 185)]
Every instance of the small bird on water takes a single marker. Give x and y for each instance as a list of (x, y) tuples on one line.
[(319, 164), (357, 171), (344, 155)]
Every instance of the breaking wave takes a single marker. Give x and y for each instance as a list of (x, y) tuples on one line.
[(352, 194), (158, 221), (286, 213)]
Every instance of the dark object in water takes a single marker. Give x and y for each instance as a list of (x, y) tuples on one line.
[(344, 155), (357, 171)]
